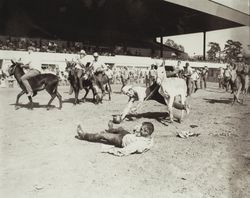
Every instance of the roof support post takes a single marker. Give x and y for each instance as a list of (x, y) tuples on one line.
[(161, 47), (204, 45)]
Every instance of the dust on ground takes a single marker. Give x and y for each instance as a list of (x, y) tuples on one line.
[(41, 158)]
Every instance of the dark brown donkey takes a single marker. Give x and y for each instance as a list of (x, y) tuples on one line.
[(38, 83)]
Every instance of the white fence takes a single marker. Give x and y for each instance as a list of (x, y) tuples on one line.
[(118, 60)]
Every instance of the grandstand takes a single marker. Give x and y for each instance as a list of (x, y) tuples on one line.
[(123, 32)]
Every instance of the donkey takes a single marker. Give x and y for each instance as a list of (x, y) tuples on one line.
[(49, 82), (95, 79), (74, 83), (170, 88)]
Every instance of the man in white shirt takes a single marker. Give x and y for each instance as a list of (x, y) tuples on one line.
[(187, 73), (125, 142), (194, 80), (81, 61), (29, 64), (141, 94), (98, 67)]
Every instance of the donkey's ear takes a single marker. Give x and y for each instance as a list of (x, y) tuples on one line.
[(12, 61)]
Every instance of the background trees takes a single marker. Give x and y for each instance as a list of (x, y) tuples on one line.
[(172, 44), (232, 50), (214, 52)]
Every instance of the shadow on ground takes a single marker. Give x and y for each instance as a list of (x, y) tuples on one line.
[(72, 100), (35, 105), (216, 101), (162, 117)]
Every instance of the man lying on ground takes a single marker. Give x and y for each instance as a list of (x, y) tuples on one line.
[(142, 94), (126, 143)]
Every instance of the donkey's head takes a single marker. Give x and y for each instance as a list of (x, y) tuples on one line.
[(12, 68), (69, 65), (161, 74)]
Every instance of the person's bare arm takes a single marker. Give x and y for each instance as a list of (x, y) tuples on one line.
[(127, 108)]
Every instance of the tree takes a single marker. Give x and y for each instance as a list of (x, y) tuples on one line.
[(213, 51), (181, 48), (232, 50), (172, 44)]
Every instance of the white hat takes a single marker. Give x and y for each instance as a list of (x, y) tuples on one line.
[(126, 88), (82, 52), (95, 54)]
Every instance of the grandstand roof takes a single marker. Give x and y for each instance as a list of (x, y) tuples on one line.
[(114, 21)]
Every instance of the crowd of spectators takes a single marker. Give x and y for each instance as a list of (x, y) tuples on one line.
[(59, 46), (70, 47), (42, 45)]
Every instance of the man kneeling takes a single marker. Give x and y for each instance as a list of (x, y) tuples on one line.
[(139, 141)]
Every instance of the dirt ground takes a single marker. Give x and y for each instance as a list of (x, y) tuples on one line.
[(40, 157)]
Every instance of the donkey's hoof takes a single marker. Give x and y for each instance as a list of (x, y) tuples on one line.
[(180, 120), (17, 107)]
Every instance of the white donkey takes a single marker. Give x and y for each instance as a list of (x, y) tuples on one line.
[(170, 88)]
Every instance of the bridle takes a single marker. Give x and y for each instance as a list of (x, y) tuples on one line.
[(14, 67)]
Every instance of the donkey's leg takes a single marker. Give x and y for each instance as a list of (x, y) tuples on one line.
[(238, 93), (109, 90), (76, 96), (53, 95), (170, 108), (31, 102), (93, 92), (60, 99), (17, 99), (183, 100), (109, 94), (86, 93)]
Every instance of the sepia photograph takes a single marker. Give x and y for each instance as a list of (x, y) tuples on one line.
[(124, 98)]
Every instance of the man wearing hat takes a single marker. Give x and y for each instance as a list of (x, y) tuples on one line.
[(227, 76), (98, 67), (187, 73), (81, 62), (204, 75)]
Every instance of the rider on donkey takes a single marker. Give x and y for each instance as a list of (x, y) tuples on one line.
[(98, 68), (81, 62), (29, 65), (243, 71)]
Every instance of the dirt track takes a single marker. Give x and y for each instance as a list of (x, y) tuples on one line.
[(41, 158)]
